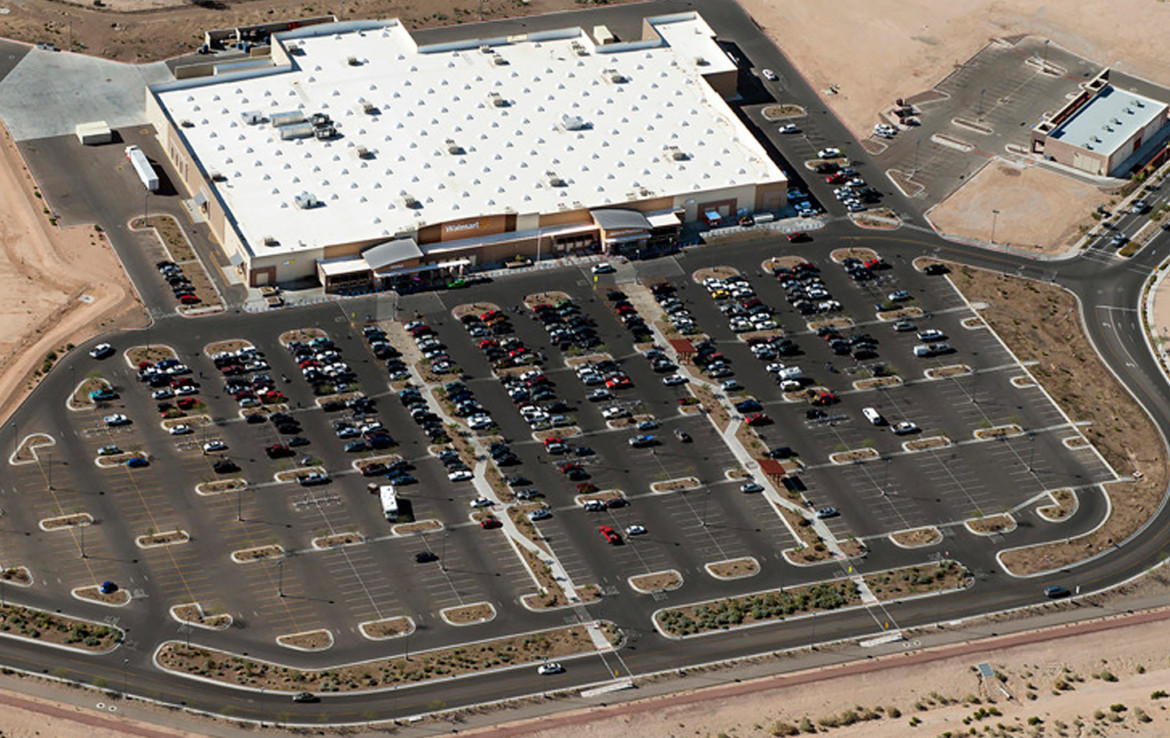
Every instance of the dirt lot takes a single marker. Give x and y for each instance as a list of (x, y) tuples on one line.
[(885, 49), (60, 285), (1039, 210)]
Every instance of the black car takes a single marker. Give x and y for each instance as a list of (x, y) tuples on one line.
[(517, 481), (425, 557), (305, 697), (298, 441)]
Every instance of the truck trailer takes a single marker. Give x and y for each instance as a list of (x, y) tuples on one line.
[(142, 166), (389, 497)]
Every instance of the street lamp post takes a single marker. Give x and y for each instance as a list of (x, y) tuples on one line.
[(125, 664), (994, 217), (82, 532), (280, 578), (706, 497)]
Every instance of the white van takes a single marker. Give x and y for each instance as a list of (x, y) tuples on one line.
[(873, 416)]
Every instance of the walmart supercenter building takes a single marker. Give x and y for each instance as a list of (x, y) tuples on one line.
[(363, 159)]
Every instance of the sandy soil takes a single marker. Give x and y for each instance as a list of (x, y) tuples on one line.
[(1069, 682), (25, 717), (60, 285), (1039, 210), (880, 50)]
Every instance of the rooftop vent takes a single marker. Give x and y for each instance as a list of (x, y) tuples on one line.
[(573, 122), (306, 200)]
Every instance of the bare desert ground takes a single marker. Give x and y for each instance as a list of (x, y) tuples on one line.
[(59, 286), (880, 50), (1039, 210)]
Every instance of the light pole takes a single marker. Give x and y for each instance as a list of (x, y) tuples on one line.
[(706, 497), (280, 578), (994, 217), (443, 555), (82, 532), (239, 504), (1032, 451), (125, 664)]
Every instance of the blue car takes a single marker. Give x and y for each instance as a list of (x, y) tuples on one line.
[(401, 479), (356, 446), (137, 462), (748, 406), (103, 394)]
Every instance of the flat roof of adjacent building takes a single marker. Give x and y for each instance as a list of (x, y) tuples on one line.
[(535, 124), (1108, 120)]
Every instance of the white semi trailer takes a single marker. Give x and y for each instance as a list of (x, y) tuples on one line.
[(142, 166)]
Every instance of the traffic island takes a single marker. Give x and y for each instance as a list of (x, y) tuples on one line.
[(221, 486), (64, 522), (999, 431), (896, 584), (26, 452), (929, 443), (257, 553), (228, 346), (149, 354), (308, 641), (680, 484), (59, 630), (114, 461), (387, 628), (338, 540), (854, 456), (166, 538), (710, 404), (474, 614), (545, 298), (296, 475), (917, 537), (18, 576), (776, 263), (731, 569), (417, 528), (891, 380), (550, 595), (991, 525), (882, 219), (304, 335), (1064, 505), (81, 400), (192, 614), (887, 316), (473, 308), (1023, 381), (944, 372), (522, 649), (93, 593), (658, 581), (861, 254)]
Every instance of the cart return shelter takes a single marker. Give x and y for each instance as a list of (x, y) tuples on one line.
[(1102, 130), (361, 159)]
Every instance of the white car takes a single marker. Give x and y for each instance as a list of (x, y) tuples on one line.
[(481, 502), (116, 419), (904, 428), (769, 75), (751, 487), (598, 395), (165, 393), (480, 422), (461, 475), (790, 128), (931, 334), (635, 530), (540, 513), (101, 351), (551, 667), (180, 430), (829, 153), (613, 412), (775, 368), (674, 380), (212, 446), (187, 390), (603, 268), (731, 385)]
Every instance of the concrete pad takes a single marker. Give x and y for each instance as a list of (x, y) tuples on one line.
[(48, 93)]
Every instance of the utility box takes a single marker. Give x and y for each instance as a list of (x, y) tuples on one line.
[(94, 133)]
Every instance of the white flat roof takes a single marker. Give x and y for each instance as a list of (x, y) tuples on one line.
[(581, 127), (1108, 120)]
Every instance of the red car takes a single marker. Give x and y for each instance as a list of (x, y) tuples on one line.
[(569, 466), (553, 439), (797, 237), (824, 398), (757, 419), (618, 382), (186, 403), (279, 451), (610, 534), (489, 523), (836, 178), (189, 300)]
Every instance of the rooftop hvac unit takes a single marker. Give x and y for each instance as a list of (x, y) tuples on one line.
[(573, 122), (363, 153), (186, 124), (701, 62), (497, 100), (453, 148), (252, 117), (319, 119), (218, 177), (579, 48), (410, 202), (1139, 103), (554, 180), (677, 154), (498, 60), (324, 133), (287, 118), (615, 76), (270, 241), (353, 61), (305, 200), (485, 49), (296, 130), (369, 108)]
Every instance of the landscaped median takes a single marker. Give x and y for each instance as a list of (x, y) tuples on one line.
[(58, 630), (518, 650), (778, 604)]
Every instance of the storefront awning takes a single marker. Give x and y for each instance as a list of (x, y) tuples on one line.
[(610, 219), (391, 272), (391, 252), (344, 265), (668, 219)]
